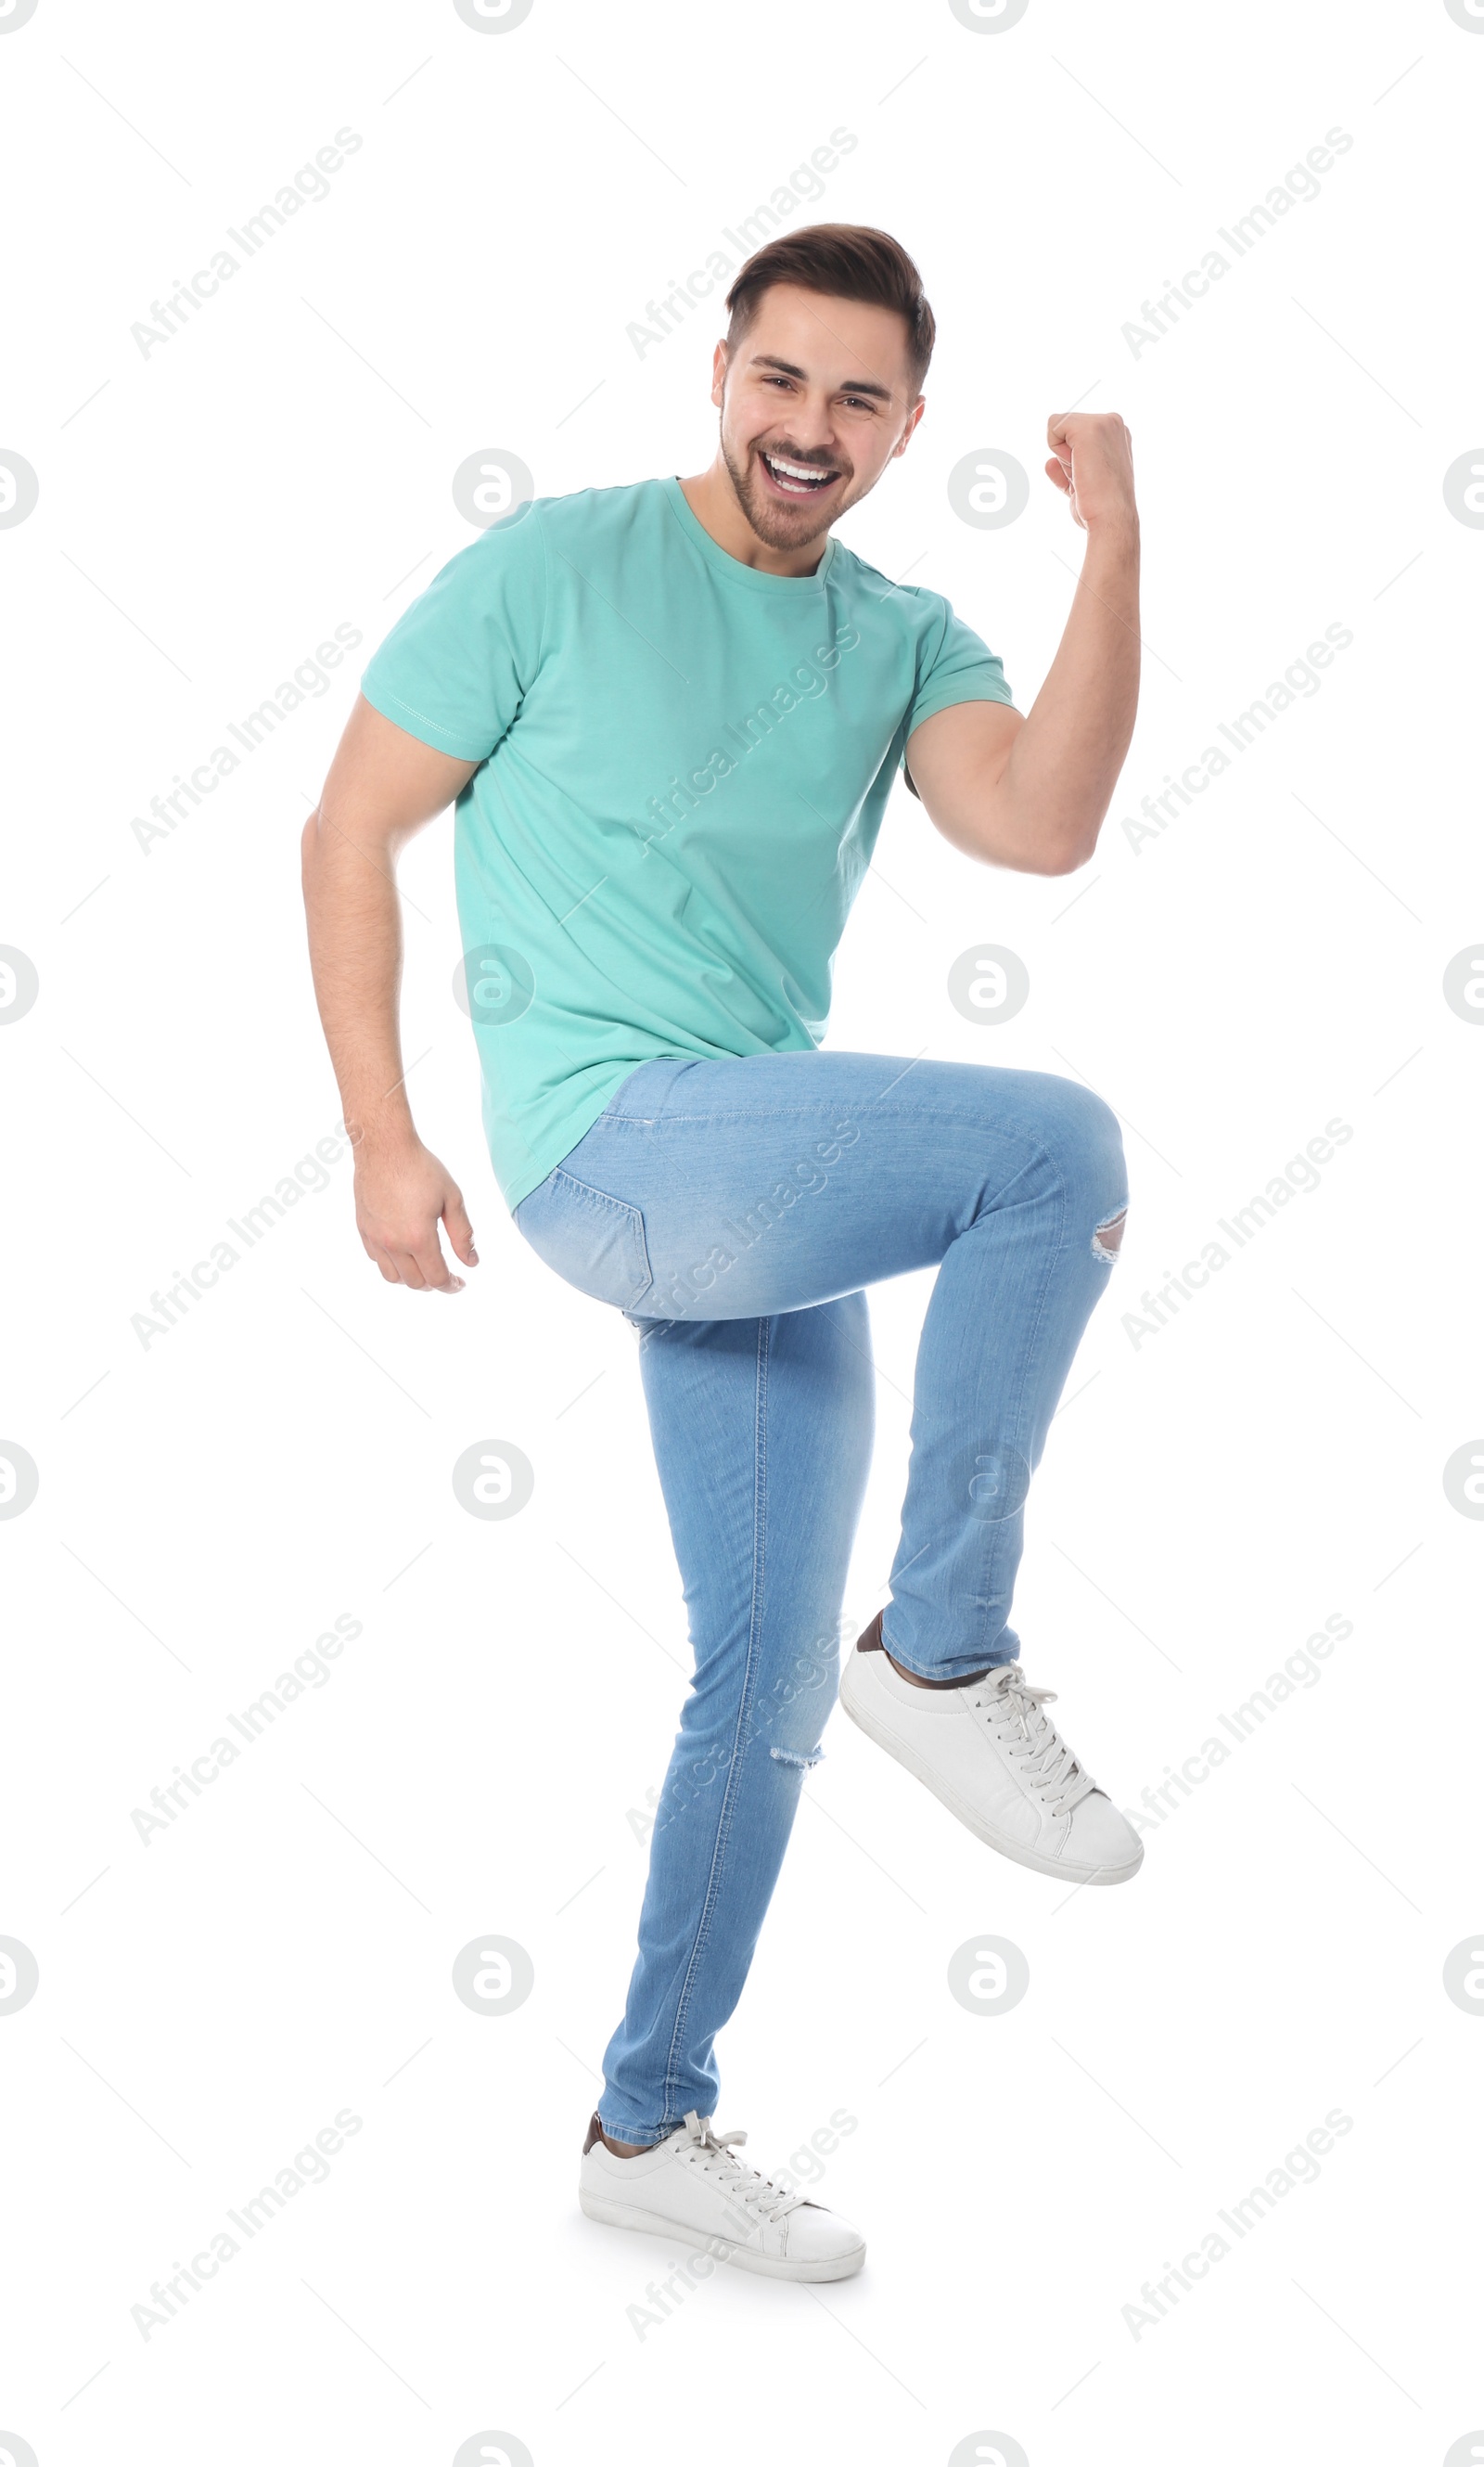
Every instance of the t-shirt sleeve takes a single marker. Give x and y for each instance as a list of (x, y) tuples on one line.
[(954, 664), (457, 664)]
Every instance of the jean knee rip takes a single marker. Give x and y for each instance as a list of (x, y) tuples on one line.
[(1108, 1237), (801, 1764)]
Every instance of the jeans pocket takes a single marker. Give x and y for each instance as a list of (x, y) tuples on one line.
[(594, 1241)]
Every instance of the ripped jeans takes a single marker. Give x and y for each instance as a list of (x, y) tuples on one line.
[(733, 1210)]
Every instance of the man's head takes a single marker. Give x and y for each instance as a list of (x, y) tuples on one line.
[(820, 380)]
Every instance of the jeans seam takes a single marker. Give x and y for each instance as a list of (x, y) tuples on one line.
[(782, 1113), (740, 1739), (592, 1191), (1052, 1257), (626, 2133), (730, 1114)]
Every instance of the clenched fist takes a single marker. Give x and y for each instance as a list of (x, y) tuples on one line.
[(1091, 461)]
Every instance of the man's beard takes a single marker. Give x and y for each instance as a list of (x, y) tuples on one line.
[(779, 525)]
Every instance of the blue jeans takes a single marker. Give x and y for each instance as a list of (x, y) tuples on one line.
[(733, 1210)]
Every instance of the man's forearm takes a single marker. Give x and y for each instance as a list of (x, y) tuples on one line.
[(355, 951), (1065, 762)]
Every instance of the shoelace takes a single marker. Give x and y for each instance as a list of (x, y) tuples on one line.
[(1030, 1740), (712, 2154)]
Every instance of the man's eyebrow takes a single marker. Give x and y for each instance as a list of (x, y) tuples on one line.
[(850, 385)]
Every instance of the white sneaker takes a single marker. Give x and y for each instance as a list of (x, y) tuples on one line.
[(990, 1753), (693, 2190)]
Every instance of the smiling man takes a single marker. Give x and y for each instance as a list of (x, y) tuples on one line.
[(670, 716)]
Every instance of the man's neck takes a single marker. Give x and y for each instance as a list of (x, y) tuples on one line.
[(713, 501)]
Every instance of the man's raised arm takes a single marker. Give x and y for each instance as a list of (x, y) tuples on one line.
[(383, 786), (1031, 793)]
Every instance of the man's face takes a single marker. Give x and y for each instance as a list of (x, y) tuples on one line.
[(817, 400)]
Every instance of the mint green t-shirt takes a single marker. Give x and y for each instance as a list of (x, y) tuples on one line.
[(682, 769)]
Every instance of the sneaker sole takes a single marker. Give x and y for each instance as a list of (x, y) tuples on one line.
[(619, 2214), (1063, 1868)]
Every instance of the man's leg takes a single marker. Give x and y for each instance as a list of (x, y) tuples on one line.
[(1015, 1291), (768, 1184), (762, 1433), (716, 1196)]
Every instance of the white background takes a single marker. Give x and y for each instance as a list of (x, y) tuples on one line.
[(479, 1759)]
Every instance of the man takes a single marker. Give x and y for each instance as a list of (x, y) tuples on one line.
[(670, 716)]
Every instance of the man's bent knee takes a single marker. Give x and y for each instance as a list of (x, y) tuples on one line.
[(1108, 1237)]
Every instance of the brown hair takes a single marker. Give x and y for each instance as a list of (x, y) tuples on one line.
[(846, 261)]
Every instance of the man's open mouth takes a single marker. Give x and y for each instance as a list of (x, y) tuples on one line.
[(797, 479)]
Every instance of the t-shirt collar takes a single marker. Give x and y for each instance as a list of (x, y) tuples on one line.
[(732, 568)]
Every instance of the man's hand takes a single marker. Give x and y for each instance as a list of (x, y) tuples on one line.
[(401, 1191), (1092, 462), (1031, 793)]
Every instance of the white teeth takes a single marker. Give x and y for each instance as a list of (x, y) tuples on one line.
[(794, 470)]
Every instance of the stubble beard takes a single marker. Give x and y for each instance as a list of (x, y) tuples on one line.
[(775, 525)]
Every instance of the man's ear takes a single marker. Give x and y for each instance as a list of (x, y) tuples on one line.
[(719, 374), (910, 431)]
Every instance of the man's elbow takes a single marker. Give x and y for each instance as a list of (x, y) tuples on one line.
[(1030, 839), (1044, 852), (1069, 855)]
